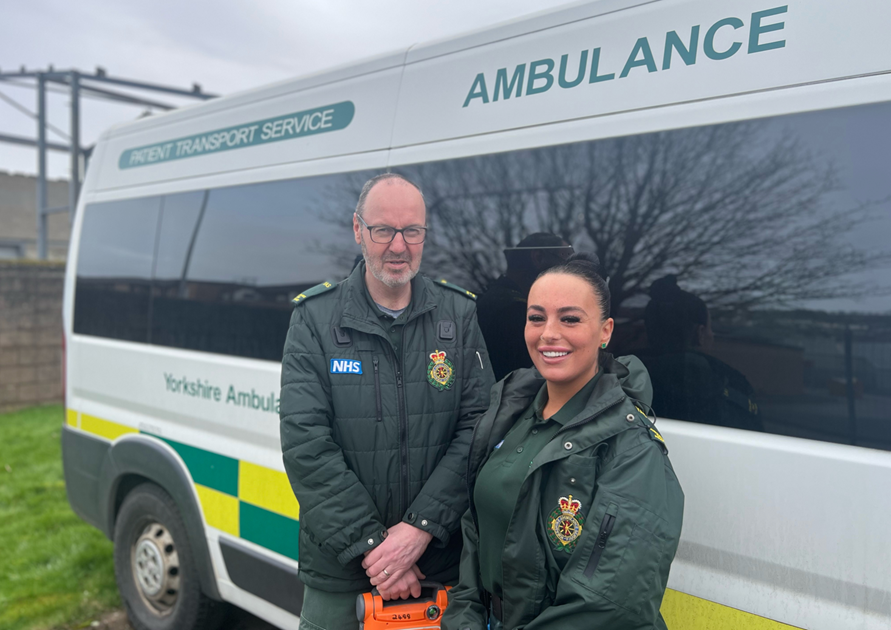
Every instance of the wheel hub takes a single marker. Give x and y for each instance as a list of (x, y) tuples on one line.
[(156, 567)]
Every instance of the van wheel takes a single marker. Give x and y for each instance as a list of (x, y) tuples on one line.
[(154, 566)]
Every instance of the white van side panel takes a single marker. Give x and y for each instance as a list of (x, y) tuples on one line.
[(781, 526), (440, 89), (373, 97)]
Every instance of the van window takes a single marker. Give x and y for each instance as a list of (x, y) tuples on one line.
[(748, 262), (114, 269), (231, 259)]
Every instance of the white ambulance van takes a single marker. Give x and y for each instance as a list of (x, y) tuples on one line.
[(734, 152)]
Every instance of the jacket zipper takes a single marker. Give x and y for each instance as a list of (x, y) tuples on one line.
[(377, 389), (606, 528), (403, 428)]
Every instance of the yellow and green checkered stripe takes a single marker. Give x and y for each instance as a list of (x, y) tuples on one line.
[(256, 503), (251, 502)]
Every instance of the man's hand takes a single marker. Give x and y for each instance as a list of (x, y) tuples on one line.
[(405, 586), (397, 554)]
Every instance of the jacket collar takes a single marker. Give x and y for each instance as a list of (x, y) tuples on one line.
[(356, 309), (513, 395)]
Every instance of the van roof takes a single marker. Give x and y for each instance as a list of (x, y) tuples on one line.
[(537, 21)]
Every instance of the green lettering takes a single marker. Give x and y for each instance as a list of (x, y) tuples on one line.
[(708, 45), (477, 90), (583, 63), (534, 75), (595, 68), (642, 46), (757, 29), (688, 54), (505, 86), (230, 396)]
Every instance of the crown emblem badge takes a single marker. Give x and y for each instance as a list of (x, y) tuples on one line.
[(440, 371), (565, 524)]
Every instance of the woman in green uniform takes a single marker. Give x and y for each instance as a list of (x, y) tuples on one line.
[(575, 511)]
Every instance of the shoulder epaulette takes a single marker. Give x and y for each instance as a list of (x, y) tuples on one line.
[(316, 290), (455, 287), (651, 429)]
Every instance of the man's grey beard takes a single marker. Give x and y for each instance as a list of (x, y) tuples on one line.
[(377, 270)]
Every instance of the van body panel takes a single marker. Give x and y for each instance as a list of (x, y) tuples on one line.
[(372, 97), (440, 88)]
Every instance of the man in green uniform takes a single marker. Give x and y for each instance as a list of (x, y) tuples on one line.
[(383, 378)]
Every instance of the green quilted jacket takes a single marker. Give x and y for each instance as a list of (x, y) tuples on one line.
[(370, 439)]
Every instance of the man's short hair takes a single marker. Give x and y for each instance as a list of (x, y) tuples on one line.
[(371, 183)]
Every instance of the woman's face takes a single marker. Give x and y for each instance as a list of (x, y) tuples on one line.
[(564, 328)]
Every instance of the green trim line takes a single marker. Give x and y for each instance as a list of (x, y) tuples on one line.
[(308, 122), (209, 469), (269, 530)]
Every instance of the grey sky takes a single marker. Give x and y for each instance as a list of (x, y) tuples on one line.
[(226, 46)]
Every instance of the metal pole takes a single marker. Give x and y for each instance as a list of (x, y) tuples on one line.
[(74, 184), (41, 166), (28, 142)]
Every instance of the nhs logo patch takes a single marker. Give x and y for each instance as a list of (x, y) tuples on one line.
[(346, 366)]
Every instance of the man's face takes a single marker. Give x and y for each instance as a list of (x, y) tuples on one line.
[(396, 204)]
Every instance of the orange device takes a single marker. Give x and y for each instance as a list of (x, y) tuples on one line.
[(403, 614)]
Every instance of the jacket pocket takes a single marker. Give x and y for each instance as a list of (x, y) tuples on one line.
[(640, 581), (623, 563), (606, 528), (375, 362)]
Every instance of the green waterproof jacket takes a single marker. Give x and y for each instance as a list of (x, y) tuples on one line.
[(614, 463), (369, 438)]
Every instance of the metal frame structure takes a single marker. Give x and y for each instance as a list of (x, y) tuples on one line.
[(79, 84)]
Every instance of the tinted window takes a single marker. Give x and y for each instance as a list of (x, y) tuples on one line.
[(748, 262), (179, 222), (114, 269), (230, 261)]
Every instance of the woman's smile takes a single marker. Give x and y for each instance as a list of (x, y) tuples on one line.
[(553, 355)]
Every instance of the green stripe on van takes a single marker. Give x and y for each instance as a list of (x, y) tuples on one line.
[(269, 530), (209, 469), (308, 122)]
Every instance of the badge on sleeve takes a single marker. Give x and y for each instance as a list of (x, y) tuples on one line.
[(565, 524), (440, 372)]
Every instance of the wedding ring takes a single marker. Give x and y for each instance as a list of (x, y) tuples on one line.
[(387, 573)]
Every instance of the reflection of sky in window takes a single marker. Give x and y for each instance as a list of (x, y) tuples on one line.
[(118, 239), (858, 141), (179, 214), (267, 234)]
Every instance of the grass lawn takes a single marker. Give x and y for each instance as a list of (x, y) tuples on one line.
[(56, 570)]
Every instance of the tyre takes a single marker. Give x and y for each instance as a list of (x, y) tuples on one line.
[(154, 566)]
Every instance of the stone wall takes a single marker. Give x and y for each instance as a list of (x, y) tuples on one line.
[(30, 333)]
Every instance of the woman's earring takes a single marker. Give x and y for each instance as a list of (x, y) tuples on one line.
[(603, 345)]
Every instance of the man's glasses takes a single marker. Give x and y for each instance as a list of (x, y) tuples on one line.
[(384, 234)]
